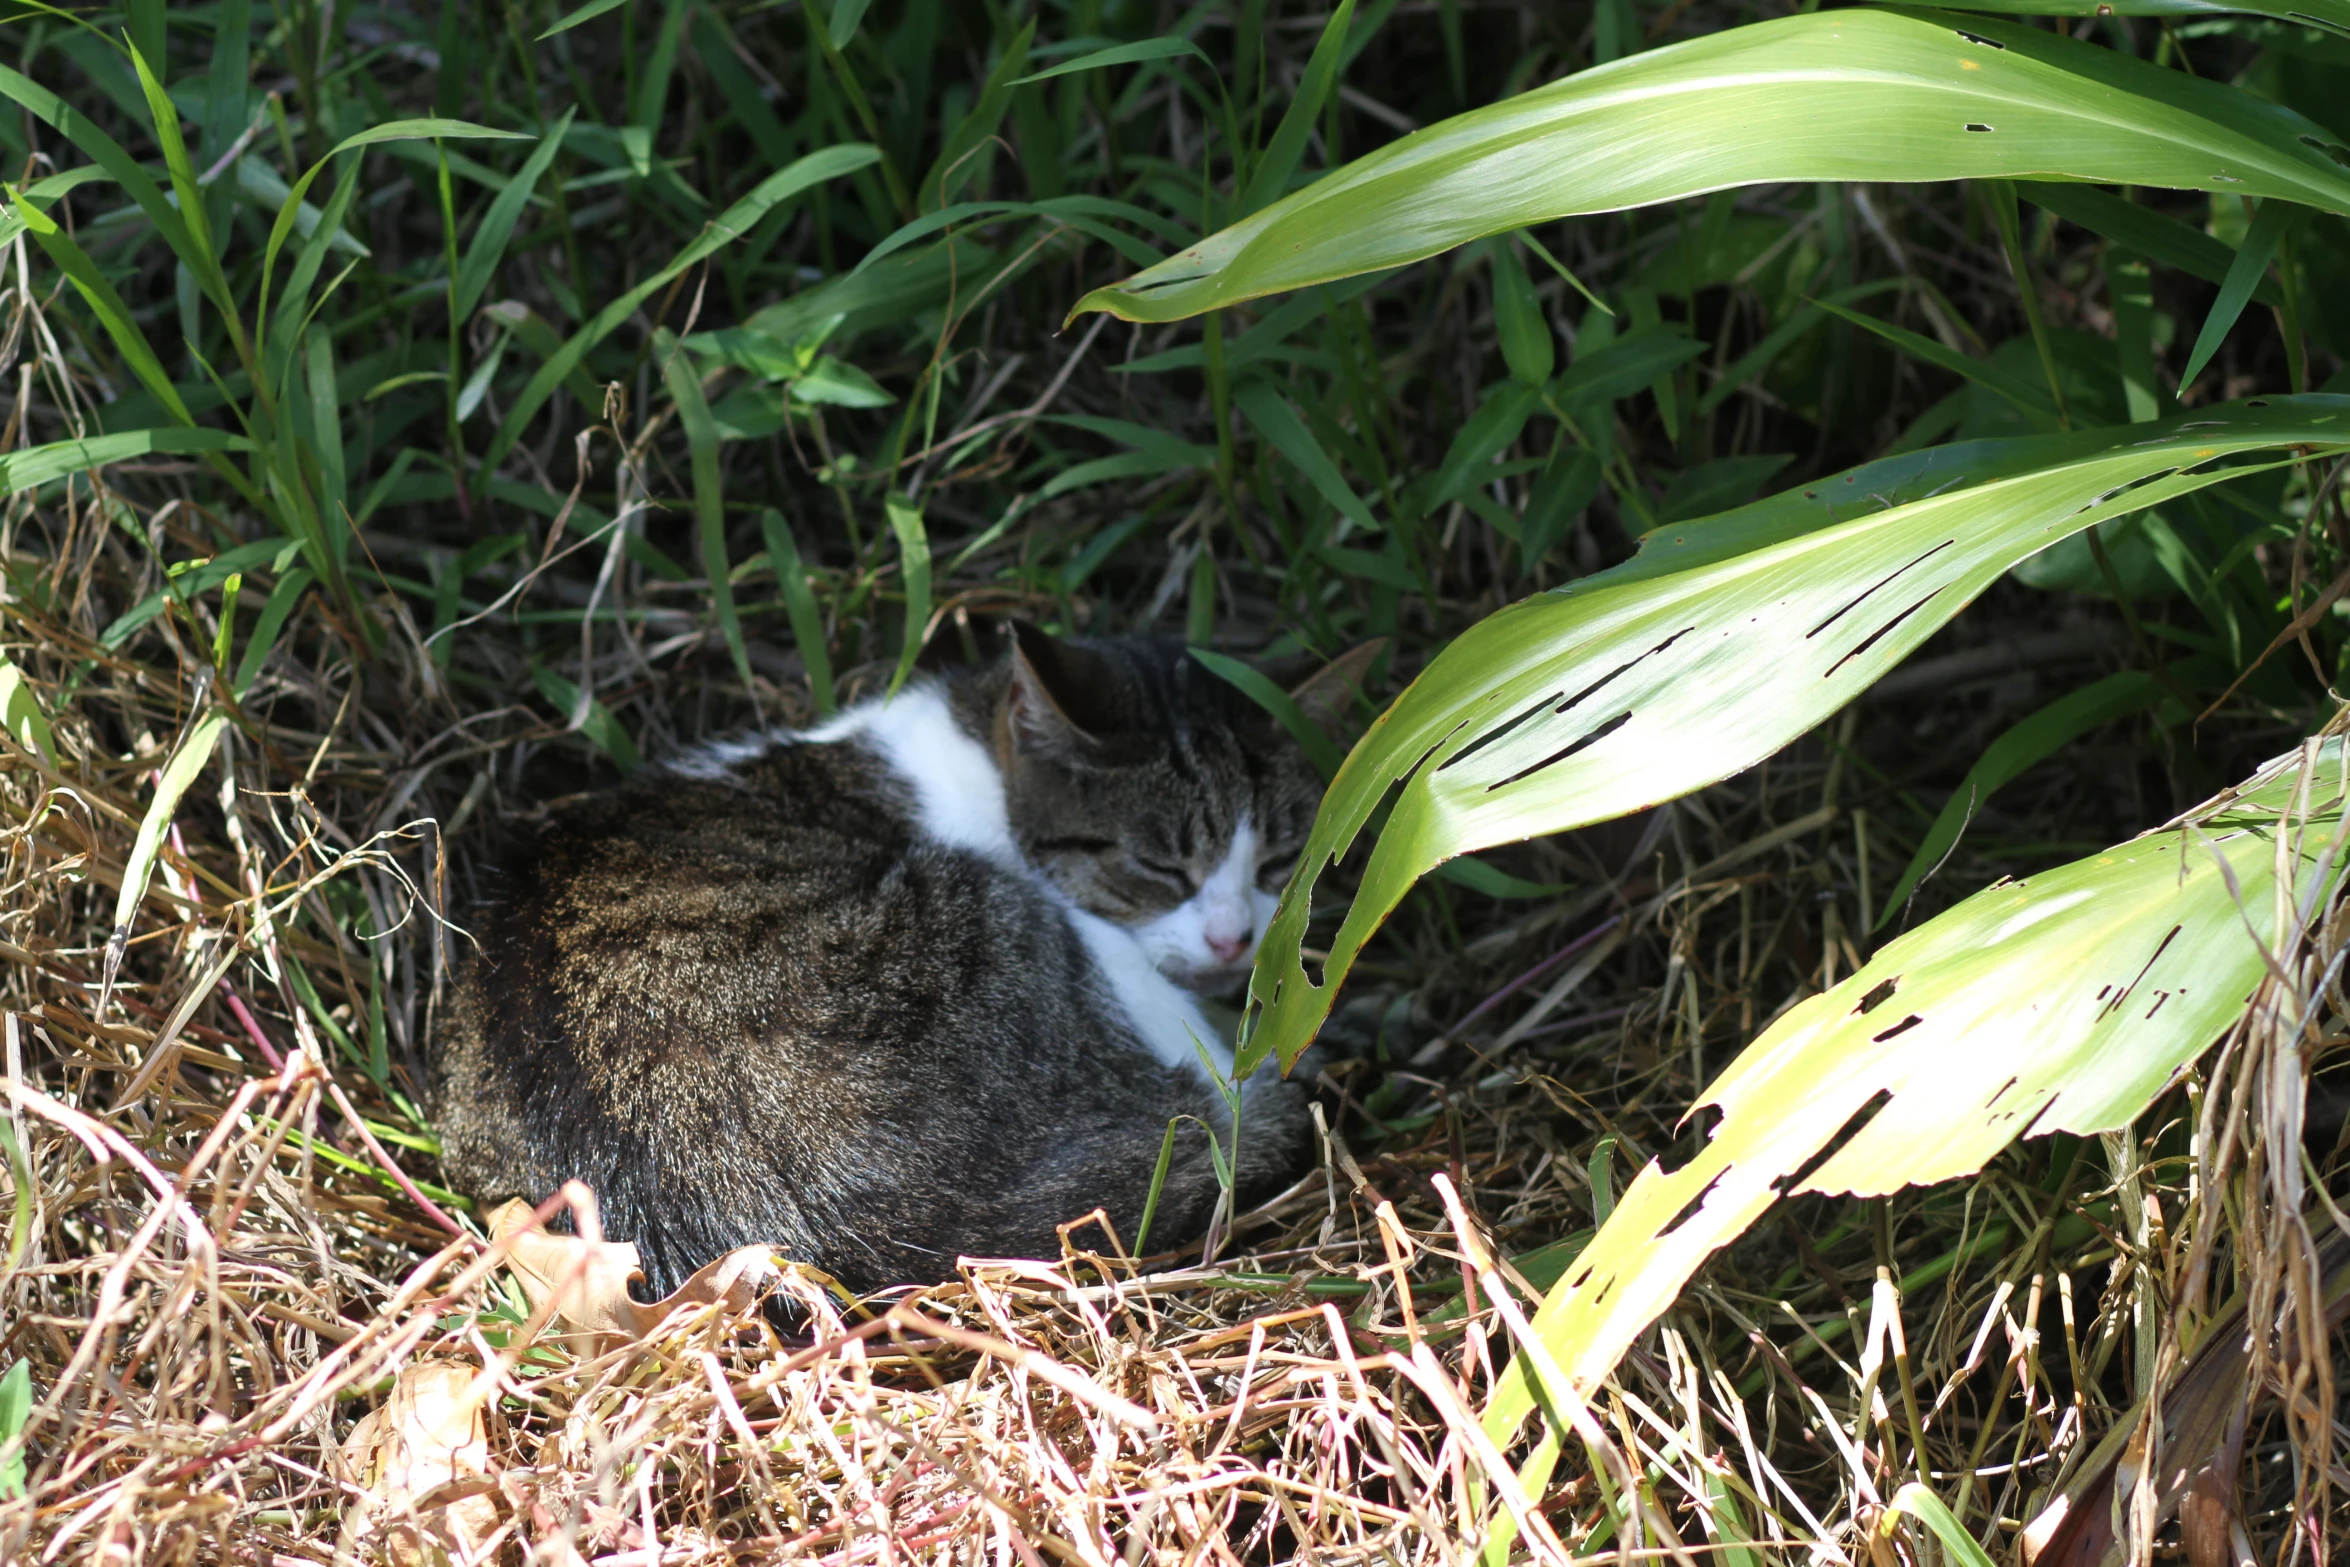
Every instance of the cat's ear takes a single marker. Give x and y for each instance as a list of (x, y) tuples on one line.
[(1045, 704), (1329, 695)]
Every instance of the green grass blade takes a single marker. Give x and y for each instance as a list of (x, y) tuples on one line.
[(914, 567), (32, 466), (1929, 1509), (1527, 346), (958, 158), (107, 305), (2129, 284), (326, 426), (2023, 744), (701, 438), (178, 774), (2152, 235), (104, 150), (2027, 398), (601, 728), (1258, 688), (274, 611), (1121, 54), (21, 715), (586, 13), (1273, 171), (16, 1383), (729, 226), (1862, 94), (2250, 265), (1270, 414), (799, 602), (1634, 686), (497, 225)]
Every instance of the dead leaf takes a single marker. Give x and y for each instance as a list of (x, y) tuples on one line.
[(424, 1462), (588, 1280)]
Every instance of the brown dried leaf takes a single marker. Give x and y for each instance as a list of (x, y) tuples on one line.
[(424, 1462), (588, 1279)]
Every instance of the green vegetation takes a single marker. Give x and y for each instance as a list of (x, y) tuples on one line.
[(1911, 441)]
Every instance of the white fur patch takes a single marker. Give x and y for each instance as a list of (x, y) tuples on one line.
[(716, 759), (958, 790), (1162, 1012), (1228, 912)]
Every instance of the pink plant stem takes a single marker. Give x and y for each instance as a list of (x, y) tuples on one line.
[(432, 1210)]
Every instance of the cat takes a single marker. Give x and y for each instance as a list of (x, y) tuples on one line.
[(920, 983)]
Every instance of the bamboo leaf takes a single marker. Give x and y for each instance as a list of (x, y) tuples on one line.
[(1635, 686), (1269, 412), (2064, 1002), (1864, 94)]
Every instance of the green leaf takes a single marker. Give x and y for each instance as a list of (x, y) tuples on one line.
[(602, 729), (16, 1387), (701, 439), (186, 763), (107, 306), (32, 466), (2137, 228), (914, 566), (2064, 1002), (2030, 399), (586, 13), (2334, 14), (497, 225), (1624, 689), (2020, 746), (1923, 1505), (840, 384), (1863, 94), (1526, 343), (846, 14), (799, 602), (1471, 872), (1273, 418), (1259, 688), (728, 226), (21, 715), (1288, 145), (280, 604), (2250, 265), (961, 155), (1622, 367), (1483, 436), (1121, 54)]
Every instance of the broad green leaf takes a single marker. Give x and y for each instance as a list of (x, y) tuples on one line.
[(799, 602), (32, 466), (2063, 1002), (171, 785), (727, 227), (2022, 744), (2250, 265), (1485, 435), (497, 226), (701, 439), (1625, 365), (2333, 14), (1871, 94), (839, 383), (1121, 54), (1622, 690)]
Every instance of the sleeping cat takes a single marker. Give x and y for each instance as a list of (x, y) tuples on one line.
[(916, 984)]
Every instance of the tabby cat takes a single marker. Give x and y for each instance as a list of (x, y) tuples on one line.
[(920, 983)]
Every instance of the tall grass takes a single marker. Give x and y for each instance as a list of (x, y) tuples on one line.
[(418, 412)]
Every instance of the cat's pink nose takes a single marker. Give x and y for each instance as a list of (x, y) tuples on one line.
[(1228, 949)]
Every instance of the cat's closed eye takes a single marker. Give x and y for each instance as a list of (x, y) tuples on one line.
[(1167, 871)]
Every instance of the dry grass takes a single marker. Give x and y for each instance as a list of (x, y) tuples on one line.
[(225, 1250)]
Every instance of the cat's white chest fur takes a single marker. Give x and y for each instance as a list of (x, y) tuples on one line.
[(959, 800)]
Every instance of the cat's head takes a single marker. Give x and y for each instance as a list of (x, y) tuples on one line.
[(1156, 795)]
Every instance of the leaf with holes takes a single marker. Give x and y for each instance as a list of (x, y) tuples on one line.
[(1833, 95), (2063, 1002), (1633, 687)]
